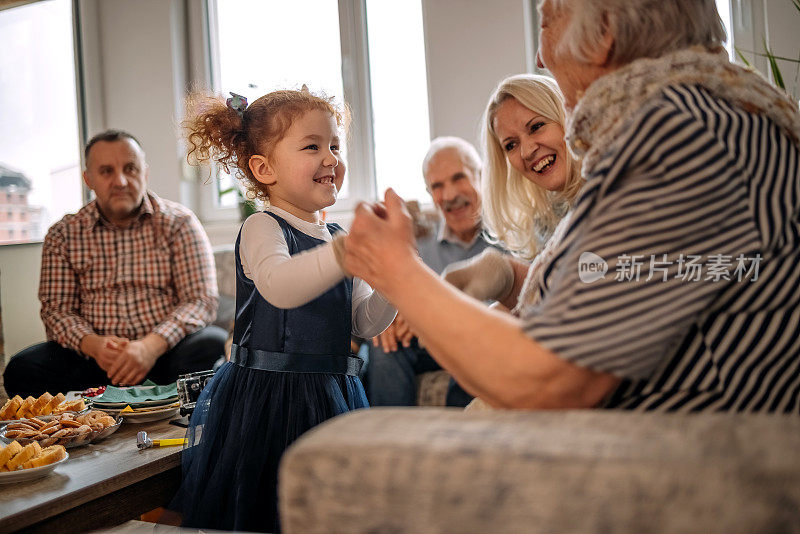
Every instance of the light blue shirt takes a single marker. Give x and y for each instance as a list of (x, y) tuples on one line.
[(441, 248)]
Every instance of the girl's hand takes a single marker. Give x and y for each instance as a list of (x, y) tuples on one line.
[(338, 242), (380, 246)]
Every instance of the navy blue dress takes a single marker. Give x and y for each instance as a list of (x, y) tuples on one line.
[(290, 370)]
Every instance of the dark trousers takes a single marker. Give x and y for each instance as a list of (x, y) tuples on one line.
[(390, 378), (51, 367)]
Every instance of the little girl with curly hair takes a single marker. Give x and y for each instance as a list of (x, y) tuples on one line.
[(290, 367)]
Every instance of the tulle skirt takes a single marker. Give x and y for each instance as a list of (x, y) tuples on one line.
[(243, 421)]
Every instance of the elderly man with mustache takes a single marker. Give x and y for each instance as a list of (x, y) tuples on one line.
[(451, 169)]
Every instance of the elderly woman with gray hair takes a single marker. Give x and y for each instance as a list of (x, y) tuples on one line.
[(675, 286)]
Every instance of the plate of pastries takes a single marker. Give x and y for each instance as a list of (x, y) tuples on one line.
[(27, 462), (67, 429), (45, 407)]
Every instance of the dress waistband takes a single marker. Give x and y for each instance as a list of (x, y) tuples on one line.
[(294, 362)]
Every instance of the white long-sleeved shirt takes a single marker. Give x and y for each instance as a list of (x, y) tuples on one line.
[(287, 281)]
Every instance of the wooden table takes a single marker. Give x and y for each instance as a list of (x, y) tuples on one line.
[(101, 485)]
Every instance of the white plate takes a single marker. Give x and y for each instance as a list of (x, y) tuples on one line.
[(146, 417), (116, 412), (99, 398), (30, 474), (100, 405)]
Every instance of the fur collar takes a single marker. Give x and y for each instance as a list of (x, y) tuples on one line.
[(606, 109)]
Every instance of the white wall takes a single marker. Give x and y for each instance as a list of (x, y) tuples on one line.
[(776, 22), (470, 46), (143, 69), (19, 284), (783, 36)]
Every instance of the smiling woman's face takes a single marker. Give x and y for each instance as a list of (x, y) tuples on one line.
[(533, 144)]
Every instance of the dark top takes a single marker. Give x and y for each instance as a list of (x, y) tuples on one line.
[(308, 329)]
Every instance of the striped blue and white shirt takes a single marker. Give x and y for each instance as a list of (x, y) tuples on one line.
[(680, 272)]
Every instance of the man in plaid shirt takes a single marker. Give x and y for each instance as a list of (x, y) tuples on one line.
[(127, 285)]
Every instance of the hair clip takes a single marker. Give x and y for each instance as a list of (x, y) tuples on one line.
[(237, 103)]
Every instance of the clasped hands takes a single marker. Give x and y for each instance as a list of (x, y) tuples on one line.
[(380, 247), (125, 361), (377, 249)]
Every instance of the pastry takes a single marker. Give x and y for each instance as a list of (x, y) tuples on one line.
[(38, 423), (8, 452), (63, 433), (14, 456), (69, 423), (28, 451), (21, 425), (55, 401), (46, 456), (48, 441), (46, 404), (71, 406), (68, 428), (21, 434), (40, 403), (9, 410), (25, 407), (51, 429)]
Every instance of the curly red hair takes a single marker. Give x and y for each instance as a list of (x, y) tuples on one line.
[(217, 133)]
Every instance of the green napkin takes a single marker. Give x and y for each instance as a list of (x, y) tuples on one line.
[(136, 394)]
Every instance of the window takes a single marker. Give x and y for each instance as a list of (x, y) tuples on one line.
[(399, 96), (724, 8), (40, 175), (343, 49), (257, 54)]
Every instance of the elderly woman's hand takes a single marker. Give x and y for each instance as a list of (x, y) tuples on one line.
[(380, 245)]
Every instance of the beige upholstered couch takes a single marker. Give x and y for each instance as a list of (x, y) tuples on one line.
[(433, 470)]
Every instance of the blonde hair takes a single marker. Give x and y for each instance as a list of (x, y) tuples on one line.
[(217, 133), (518, 213)]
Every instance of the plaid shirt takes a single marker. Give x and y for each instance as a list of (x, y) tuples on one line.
[(156, 276)]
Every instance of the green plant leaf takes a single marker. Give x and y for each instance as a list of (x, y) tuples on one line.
[(773, 65), (247, 208), (796, 4), (782, 58), (741, 56), (776, 73)]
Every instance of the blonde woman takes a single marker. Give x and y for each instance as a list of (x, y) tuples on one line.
[(685, 153), (530, 180)]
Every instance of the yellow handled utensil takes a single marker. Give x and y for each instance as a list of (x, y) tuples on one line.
[(144, 442)]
